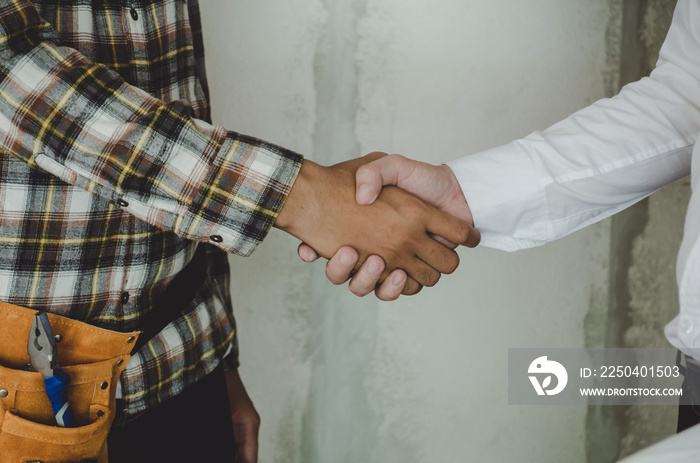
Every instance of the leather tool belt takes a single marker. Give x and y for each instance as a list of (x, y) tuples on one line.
[(93, 358)]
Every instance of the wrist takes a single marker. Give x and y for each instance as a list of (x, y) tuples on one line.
[(299, 202), (455, 197)]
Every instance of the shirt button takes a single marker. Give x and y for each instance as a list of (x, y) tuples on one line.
[(125, 297), (687, 325), (122, 203), (134, 14), (216, 238)]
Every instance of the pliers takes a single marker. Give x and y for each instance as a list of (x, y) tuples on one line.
[(42, 351)]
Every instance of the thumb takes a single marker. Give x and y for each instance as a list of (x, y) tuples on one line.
[(370, 178)]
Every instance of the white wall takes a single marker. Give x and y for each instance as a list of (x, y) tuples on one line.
[(341, 379)]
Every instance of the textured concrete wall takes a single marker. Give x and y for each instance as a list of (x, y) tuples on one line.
[(340, 379)]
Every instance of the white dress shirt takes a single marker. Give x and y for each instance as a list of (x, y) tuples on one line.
[(601, 160)]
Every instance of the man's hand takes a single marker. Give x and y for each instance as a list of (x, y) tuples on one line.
[(436, 185), (246, 421), (321, 210)]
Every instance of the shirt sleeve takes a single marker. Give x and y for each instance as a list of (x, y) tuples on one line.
[(81, 122), (598, 161)]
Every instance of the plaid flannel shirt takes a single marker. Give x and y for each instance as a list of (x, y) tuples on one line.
[(111, 178)]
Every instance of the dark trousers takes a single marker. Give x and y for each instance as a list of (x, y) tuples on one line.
[(689, 415), (193, 426)]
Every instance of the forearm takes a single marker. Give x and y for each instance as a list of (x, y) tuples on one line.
[(81, 122), (598, 161)]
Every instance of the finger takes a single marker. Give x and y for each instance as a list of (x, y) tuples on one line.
[(365, 280), (453, 229), (246, 436), (392, 287), (412, 288), (423, 273), (473, 238), (340, 266), (439, 257), (370, 178), (442, 241), (306, 253)]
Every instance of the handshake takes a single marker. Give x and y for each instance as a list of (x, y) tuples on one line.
[(390, 239)]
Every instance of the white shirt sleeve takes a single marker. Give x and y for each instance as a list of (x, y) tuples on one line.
[(599, 160)]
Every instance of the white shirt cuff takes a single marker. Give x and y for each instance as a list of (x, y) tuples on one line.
[(505, 197)]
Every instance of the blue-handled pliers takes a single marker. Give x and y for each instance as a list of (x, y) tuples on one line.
[(42, 350)]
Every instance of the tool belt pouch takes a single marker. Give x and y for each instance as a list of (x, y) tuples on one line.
[(92, 357)]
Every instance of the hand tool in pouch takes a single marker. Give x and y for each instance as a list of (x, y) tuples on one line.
[(42, 351)]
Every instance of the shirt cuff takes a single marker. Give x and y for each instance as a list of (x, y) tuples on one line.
[(505, 197), (242, 194)]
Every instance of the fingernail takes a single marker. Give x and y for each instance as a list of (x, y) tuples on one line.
[(364, 194), (373, 267), (398, 279), (346, 259)]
